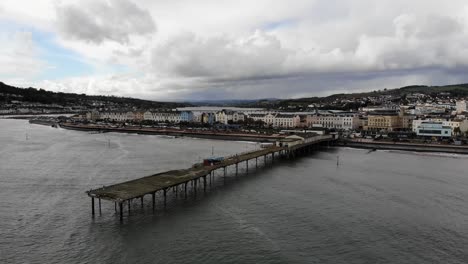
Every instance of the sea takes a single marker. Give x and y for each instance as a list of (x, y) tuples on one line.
[(336, 205)]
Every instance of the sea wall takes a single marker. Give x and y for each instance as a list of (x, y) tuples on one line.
[(219, 136), (406, 146)]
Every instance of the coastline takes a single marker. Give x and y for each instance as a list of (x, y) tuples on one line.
[(405, 147), (232, 136), (236, 136)]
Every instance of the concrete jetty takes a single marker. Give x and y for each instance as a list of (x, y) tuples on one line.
[(125, 192)]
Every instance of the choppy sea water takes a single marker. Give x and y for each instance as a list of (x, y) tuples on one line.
[(375, 207)]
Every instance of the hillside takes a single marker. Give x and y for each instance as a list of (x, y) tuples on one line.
[(32, 95), (457, 90), (361, 99)]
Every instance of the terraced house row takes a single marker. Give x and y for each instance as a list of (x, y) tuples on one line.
[(345, 121)]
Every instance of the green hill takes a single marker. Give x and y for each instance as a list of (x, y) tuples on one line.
[(33, 95)]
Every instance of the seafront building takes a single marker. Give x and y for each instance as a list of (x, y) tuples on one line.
[(453, 124), (340, 121), (384, 121), (376, 120), (330, 120), (433, 129), (285, 120)]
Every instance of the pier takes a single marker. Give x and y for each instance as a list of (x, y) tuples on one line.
[(198, 175)]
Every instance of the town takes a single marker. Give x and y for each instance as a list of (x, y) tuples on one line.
[(419, 114), (437, 122)]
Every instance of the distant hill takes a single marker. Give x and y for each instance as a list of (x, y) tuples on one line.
[(33, 95), (233, 102), (457, 90), (356, 100)]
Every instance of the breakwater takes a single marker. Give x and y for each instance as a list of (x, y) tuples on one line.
[(43, 122), (406, 146)]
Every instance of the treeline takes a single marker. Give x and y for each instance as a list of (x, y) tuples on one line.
[(68, 99)]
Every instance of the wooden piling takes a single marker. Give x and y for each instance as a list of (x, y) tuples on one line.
[(121, 211), (204, 184), (92, 206)]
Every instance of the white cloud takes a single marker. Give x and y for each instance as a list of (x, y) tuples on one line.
[(19, 56), (256, 48), (98, 21)]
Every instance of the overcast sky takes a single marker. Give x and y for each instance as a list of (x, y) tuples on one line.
[(243, 49)]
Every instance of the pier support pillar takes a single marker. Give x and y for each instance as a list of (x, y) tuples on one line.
[(256, 163), (128, 202), (115, 207), (99, 199), (237, 168), (92, 206), (141, 199), (154, 200), (121, 211), (185, 190), (204, 183), (247, 165), (264, 159), (195, 188), (164, 198), (224, 171)]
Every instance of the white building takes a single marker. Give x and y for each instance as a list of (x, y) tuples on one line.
[(286, 120), (147, 115), (346, 122), (433, 129), (114, 116), (450, 123), (238, 117), (167, 116), (461, 106)]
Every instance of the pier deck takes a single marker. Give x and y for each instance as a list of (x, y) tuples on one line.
[(157, 182), (138, 188)]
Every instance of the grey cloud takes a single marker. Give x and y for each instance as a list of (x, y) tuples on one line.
[(320, 84), (416, 42), (97, 21), (190, 56)]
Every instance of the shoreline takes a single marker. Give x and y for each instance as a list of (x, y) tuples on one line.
[(178, 133), (405, 147), (268, 138)]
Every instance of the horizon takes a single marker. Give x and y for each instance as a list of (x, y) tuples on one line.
[(245, 100), (238, 51)]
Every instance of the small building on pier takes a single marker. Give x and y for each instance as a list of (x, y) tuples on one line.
[(290, 141)]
